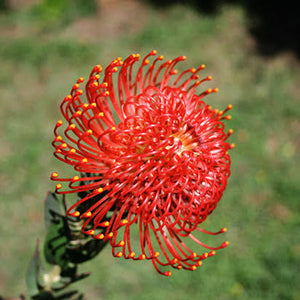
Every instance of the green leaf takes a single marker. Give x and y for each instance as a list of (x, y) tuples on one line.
[(55, 244), (33, 272), (54, 209)]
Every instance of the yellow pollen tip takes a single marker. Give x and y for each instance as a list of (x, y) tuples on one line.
[(154, 52), (199, 263), (205, 254), (75, 178), (156, 254), (59, 123), (58, 186), (72, 126), (84, 160), (169, 273), (132, 254), (228, 117), (183, 57), (193, 70), (229, 106), (78, 112), (232, 145), (147, 61), (106, 93), (101, 114), (90, 131), (179, 267), (58, 138), (203, 66), (226, 243), (54, 174), (87, 214), (100, 190), (161, 57), (209, 91), (100, 236), (209, 78), (224, 229), (193, 268), (124, 222), (97, 76), (216, 90), (142, 256), (213, 252), (110, 235), (175, 260), (99, 68), (113, 128), (119, 254), (230, 131), (122, 243)]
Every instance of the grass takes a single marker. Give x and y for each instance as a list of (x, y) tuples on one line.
[(260, 206)]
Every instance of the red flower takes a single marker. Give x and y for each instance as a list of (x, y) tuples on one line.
[(151, 152)]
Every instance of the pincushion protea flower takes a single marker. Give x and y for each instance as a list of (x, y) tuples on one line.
[(151, 152)]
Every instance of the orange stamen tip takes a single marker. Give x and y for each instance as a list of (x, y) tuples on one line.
[(73, 150), (209, 91), (209, 77), (142, 256), (193, 70), (124, 222), (67, 98), (174, 260), (193, 255), (132, 254), (215, 90), (205, 255), (230, 131), (179, 267), (153, 52), (228, 117), (202, 66), (106, 93), (193, 268), (100, 190), (76, 86), (75, 214), (168, 273), (87, 214), (90, 232), (58, 186), (72, 126), (224, 229), (54, 175), (183, 57), (101, 114), (225, 244), (232, 146), (161, 57), (199, 263), (229, 106), (99, 236), (84, 160), (104, 224), (211, 253), (156, 254), (110, 235), (75, 178), (121, 243), (113, 128), (59, 123), (119, 254), (58, 138), (98, 68), (89, 132)]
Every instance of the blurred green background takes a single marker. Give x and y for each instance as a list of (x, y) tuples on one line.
[(45, 46)]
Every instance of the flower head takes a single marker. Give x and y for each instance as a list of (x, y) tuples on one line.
[(150, 153)]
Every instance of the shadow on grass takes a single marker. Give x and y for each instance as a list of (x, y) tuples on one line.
[(275, 26)]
